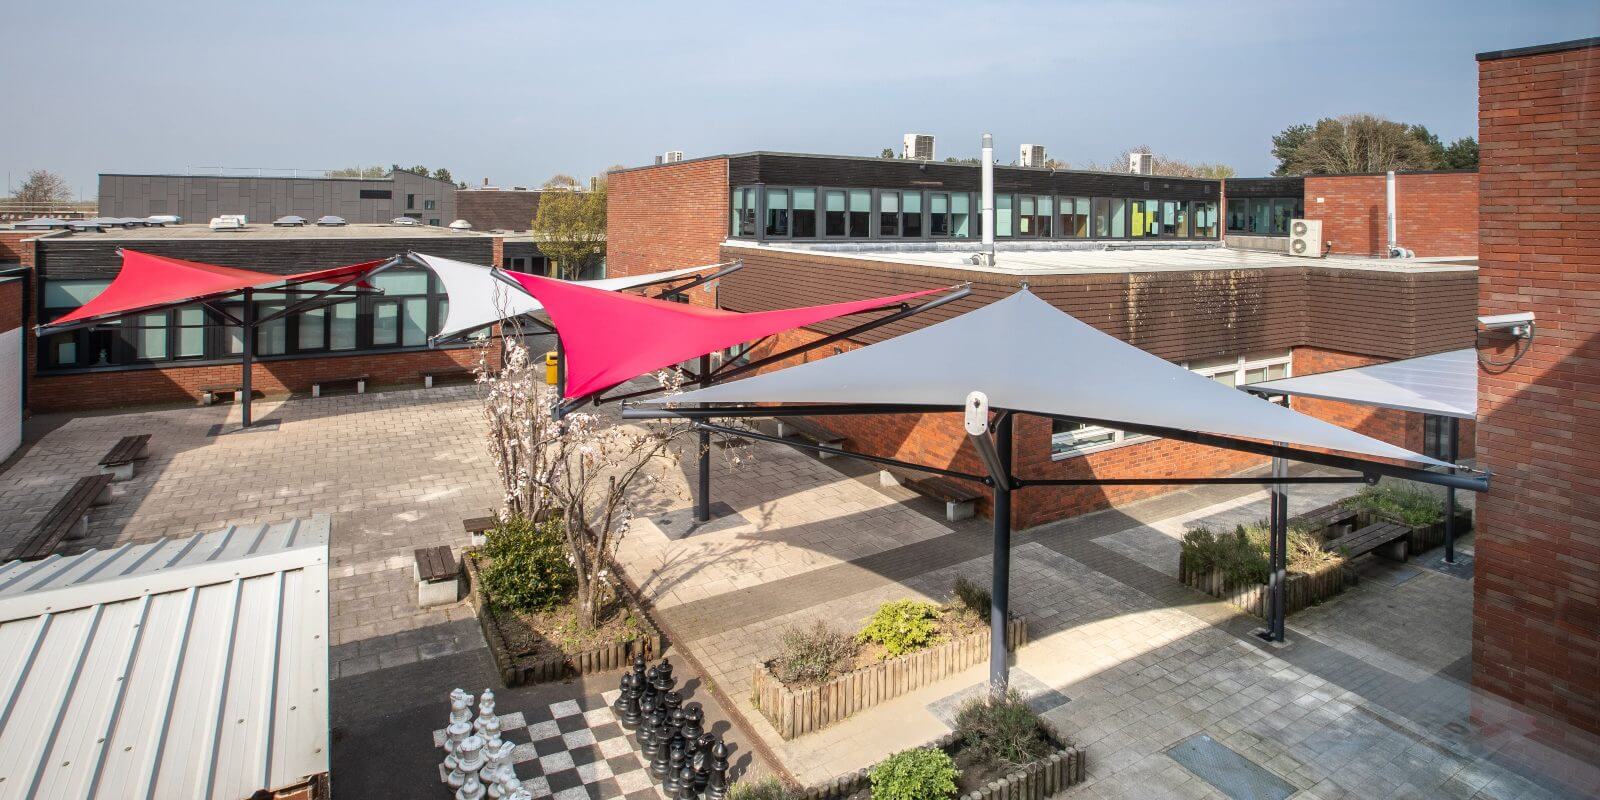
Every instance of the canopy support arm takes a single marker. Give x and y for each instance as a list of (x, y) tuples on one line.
[(822, 448), (1264, 480), (295, 308), (728, 268)]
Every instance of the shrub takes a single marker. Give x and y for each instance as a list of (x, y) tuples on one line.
[(1241, 556), (814, 655), (764, 789), (972, 597), (527, 567), (1404, 504), (902, 626), (921, 774), (1004, 733)]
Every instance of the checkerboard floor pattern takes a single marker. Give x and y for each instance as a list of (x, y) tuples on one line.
[(575, 750)]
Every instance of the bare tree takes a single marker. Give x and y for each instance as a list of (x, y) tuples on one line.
[(43, 187), (561, 180), (1162, 164)]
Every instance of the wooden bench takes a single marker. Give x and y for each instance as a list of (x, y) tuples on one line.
[(960, 502), (431, 375), (359, 380), (810, 431), (1329, 518), (438, 576), (67, 519), (208, 394), (477, 527), (128, 451), (1388, 539)]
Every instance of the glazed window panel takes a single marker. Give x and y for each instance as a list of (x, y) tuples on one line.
[(1004, 214), (939, 214), (911, 214), (961, 216), (860, 213), (778, 212), (889, 214), (833, 212), (805, 213)]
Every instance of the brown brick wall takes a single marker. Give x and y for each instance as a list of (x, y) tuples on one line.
[(11, 311), (1437, 213), (177, 384), (666, 217), (12, 247), (1536, 620)]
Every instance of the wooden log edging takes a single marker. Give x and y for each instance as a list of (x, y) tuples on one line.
[(794, 712), (1300, 590), (1036, 780), (520, 672)]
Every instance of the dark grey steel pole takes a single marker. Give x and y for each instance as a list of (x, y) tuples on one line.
[(1278, 535), (561, 378), (249, 335), (702, 500), (1453, 442), (1000, 589)]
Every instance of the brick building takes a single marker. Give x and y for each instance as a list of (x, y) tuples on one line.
[(1237, 316), (1536, 631), (1436, 212), (168, 356)]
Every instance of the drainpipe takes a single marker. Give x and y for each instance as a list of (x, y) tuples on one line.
[(987, 207)]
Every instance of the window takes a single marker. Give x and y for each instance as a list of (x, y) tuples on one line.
[(411, 201), (1036, 215), (1144, 218), (744, 212), (805, 213), (428, 205), (1175, 218), (960, 216), (1244, 369), (434, 222), (777, 212), (1239, 214), (860, 213), (1075, 217), (191, 332), (899, 214), (911, 214), (1266, 216), (376, 194), (1110, 218), (147, 334), (400, 318), (342, 331), (1205, 219), (1069, 439), (82, 347), (1436, 437), (833, 214), (889, 214), (1004, 214), (938, 214)]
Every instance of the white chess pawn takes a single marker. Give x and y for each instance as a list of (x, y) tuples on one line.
[(485, 711), (489, 729), (520, 794), (471, 790), (453, 736)]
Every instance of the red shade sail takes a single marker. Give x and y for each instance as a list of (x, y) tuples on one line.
[(149, 282), (611, 338)]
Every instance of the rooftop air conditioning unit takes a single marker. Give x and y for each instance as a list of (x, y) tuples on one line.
[(918, 146), (1032, 155), (228, 222), (1305, 238), (672, 156), (1141, 163)]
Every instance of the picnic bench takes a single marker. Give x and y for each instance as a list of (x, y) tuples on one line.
[(127, 452), (208, 394), (810, 431), (477, 527), (438, 576), (960, 501), (1329, 517), (67, 519), (1390, 540), (359, 380), (431, 375)]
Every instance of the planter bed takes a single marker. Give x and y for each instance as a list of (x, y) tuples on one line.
[(519, 670), (1427, 537), (1300, 590), (1046, 777), (797, 711)]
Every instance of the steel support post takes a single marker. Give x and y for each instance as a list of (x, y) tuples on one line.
[(1452, 446), (1000, 590), (1278, 517), (248, 334), (702, 500)]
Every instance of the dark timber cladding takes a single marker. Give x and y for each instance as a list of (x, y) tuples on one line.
[(781, 169), (1267, 187), (68, 258), (1175, 315)]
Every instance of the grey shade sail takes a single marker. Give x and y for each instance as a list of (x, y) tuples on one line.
[(1443, 383), (1028, 356)]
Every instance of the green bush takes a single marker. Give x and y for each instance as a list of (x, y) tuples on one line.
[(526, 566), (973, 597), (1004, 733), (764, 789), (1404, 504), (902, 626), (1241, 556), (921, 774), (814, 655)]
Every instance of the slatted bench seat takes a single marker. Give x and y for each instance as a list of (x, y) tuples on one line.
[(960, 501), (359, 380), (208, 394), (1332, 517), (429, 376), (810, 431), (67, 519), (1388, 539), (476, 527), (438, 576), (127, 452)]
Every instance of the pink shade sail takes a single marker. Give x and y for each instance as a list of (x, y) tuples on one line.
[(611, 338), (150, 282)]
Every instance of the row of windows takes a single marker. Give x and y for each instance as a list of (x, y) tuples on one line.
[(1268, 216), (811, 213), (1069, 439), (412, 307)]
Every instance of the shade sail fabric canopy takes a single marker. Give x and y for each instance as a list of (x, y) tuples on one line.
[(148, 281), (1028, 356), (612, 338), (478, 300), (1443, 383)]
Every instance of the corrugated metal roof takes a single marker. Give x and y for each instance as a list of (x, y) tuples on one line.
[(192, 667)]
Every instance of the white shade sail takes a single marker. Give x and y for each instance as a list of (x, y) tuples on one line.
[(478, 300), (1443, 383), (1028, 356)]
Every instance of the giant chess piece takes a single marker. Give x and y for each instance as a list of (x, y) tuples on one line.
[(458, 728), (665, 668), (454, 735), (460, 706), (717, 785), (660, 758), (675, 765), (471, 790), (686, 790), (619, 706), (675, 725), (469, 761), (671, 701), (664, 680), (702, 760), (651, 719), (692, 716), (499, 760), (632, 712), (486, 714)]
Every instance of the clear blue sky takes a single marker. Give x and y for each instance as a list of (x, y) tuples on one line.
[(517, 91)]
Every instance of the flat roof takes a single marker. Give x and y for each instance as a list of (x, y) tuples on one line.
[(1060, 259), (266, 230), (1443, 383), (243, 174), (192, 667), (1541, 49)]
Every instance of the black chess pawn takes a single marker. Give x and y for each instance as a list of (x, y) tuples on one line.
[(686, 787), (646, 706), (661, 759), (671, 784), (671, 701), (691, 727), (678, 761), (675, 723), (632, 713), (702, 760), (639, 665), (717, 785), (653, 731), (620, 705)]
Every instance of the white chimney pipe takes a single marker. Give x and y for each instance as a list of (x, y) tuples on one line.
[(986, 206), (1394, 239)]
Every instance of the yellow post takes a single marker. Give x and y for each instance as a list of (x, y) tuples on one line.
[(552, 367)]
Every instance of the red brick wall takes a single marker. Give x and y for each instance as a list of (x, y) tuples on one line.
[(1437, 213), (11, 312), (666, 217), (1536, 619), (12, 247), (177, 384)]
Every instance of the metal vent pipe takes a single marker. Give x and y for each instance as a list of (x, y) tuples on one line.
[(987, 208)]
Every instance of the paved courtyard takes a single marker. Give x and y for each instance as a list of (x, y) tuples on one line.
[(1368, 699)]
